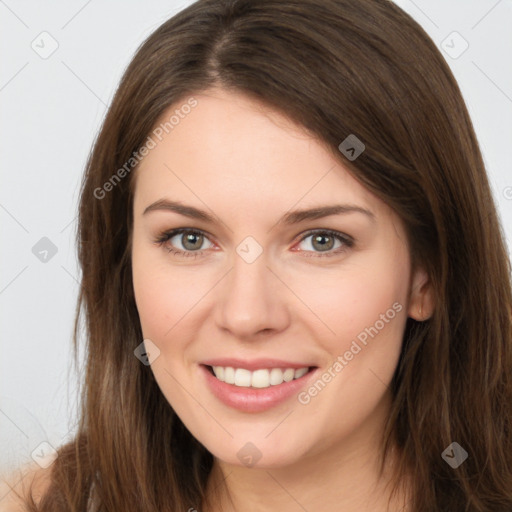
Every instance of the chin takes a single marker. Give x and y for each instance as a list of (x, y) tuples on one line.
[(258, 454)]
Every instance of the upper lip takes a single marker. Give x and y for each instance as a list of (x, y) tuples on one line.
[(254, 364)]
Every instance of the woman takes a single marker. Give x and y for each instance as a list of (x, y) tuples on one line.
[(295, 286)]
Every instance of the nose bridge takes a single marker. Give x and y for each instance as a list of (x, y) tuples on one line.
[(250, 299)]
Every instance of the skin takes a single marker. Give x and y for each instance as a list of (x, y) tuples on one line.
[(247, 165)]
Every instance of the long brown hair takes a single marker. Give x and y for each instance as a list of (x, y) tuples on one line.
[(336, 67)]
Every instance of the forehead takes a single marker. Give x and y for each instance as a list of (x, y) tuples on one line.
[(233, 150)]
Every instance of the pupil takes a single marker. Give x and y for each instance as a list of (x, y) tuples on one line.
[(190, 239), (323, 245)]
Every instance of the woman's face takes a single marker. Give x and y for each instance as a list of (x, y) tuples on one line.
[(263, 292)]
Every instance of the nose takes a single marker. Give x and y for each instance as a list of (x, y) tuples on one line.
[(251, 300)]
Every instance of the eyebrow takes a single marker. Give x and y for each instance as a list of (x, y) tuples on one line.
[(290, 218)]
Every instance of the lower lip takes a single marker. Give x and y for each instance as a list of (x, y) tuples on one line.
[(254, 399)]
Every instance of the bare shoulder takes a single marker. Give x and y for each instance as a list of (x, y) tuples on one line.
[(18, 483)]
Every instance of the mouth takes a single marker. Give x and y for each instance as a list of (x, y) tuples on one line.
[(266, 385), (257, 379)]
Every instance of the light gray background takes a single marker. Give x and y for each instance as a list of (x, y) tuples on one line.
[(51, 110)]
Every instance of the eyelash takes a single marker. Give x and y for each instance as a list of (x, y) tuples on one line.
[(167, 235)]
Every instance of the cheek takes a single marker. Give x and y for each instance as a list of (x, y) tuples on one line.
[(362, 302), (168, 301), (163, 299), (153, 305), (370, 304), (368, 318), (158, 292)]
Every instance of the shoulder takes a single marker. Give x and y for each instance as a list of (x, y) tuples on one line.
[(19, 483)]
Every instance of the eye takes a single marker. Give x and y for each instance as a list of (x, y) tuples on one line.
[(190, 240), (323, 241)]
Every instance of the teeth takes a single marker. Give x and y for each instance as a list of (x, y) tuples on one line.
[(229, 374), (220, 373), (260, 379), (288, 374), (263, 378), (242, 377), (276, 376), (300, 372)]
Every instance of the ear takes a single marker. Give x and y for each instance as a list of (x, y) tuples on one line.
[(421, 296)]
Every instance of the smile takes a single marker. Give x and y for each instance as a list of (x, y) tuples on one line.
[(255, 386)]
